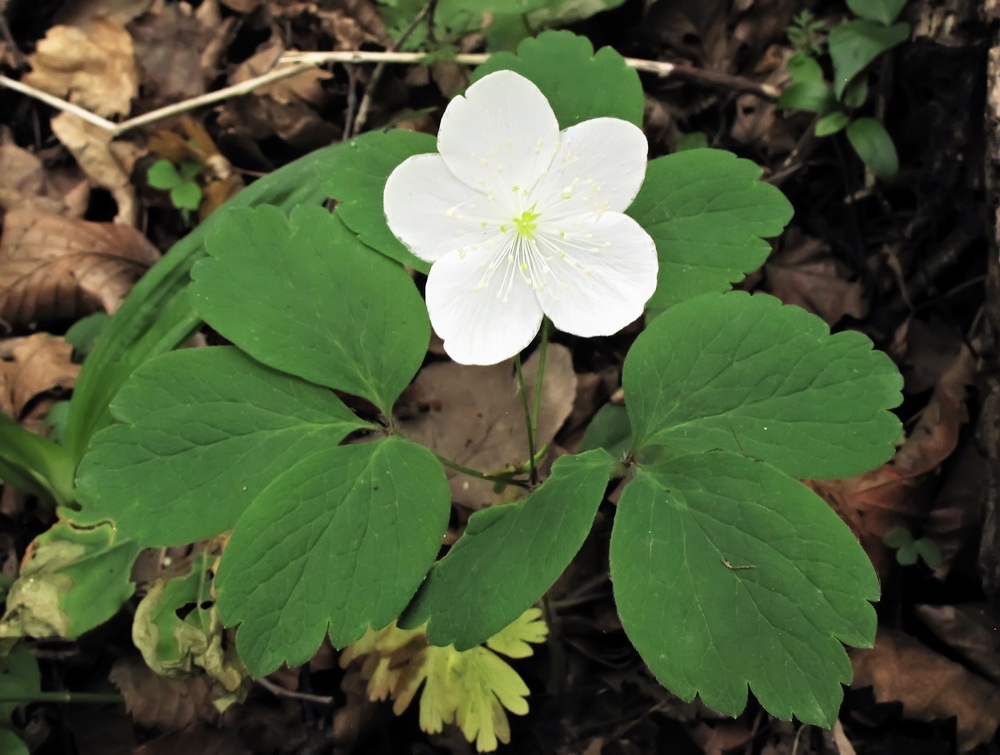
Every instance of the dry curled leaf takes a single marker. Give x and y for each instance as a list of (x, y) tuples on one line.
[(108, 164), (474, 416), (31, 366), (156, 701), (930, 687), (54, 268), (92, 65)]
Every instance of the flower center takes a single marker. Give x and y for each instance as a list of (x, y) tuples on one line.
[(526, 223)]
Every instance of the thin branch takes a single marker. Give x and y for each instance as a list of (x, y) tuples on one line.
[(293, 63), (279, 691)]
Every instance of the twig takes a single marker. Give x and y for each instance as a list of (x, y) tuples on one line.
[(366, 98), (297, 62), (279, 691)]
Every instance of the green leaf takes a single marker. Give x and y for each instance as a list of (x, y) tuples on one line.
[(157, 315), (163, 175), (897, 537), (749, 375), (186, 196), (34, 464), (309, 298), (728, 573), (578, 84), (84, 332), (803, 68), (74, 580), (694, 140), (205, 430), (359, 183), (190, 169), (510, 555), (610, 430), (880, 11), (341, 541), (19, 678), (874, 146), (856, 93), (811, 96), (830, 124), (706, 210), (855, 44), (928, 551)]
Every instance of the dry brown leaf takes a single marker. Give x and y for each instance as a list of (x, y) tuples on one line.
[(284, 108), (969, 628), (474, 416), (91, 65), (31, 366), (171, 41), (894, 494), (108, 164), (806, 273), (24, 182), (156, 701), (54, 268), (930, 687)]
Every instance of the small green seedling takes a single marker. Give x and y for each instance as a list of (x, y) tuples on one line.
[(908, 549), (179, 180)]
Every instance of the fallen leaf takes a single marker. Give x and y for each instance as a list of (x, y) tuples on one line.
[(91, 65), (31, 366), (805, 272), (24, 182), (474, 416), (930, 687), (174, 46), (108, 164), (971, 629), (54, 268), (286, 108), (156, 701), (196, 739)]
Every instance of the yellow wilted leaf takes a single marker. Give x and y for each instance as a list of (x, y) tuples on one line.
[(471, 688)]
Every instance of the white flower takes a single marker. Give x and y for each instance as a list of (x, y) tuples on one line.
[(522, 220)]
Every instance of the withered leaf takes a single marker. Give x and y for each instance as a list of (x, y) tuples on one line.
[(930, 687), (92, 65), (31, 366), (476, 418), (156, 701), (54, 268)]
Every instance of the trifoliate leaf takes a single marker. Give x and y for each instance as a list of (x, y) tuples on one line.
[(340, 541), (360, 179), (510, 555), (307, 297), (186, 196), (73, 580), (707, 211), (578, 83), (204, 431), (750, 375), (727, 573)]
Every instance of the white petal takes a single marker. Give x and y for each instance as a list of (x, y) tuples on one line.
[(600, 166), (434, 213), (502, 134), (605, 278), (477, 325)]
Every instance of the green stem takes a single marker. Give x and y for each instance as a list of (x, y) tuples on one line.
[(61, 697), (543, 350), (529, 425), (475, 473)]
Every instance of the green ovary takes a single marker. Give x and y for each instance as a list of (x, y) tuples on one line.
[(526, 223)]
